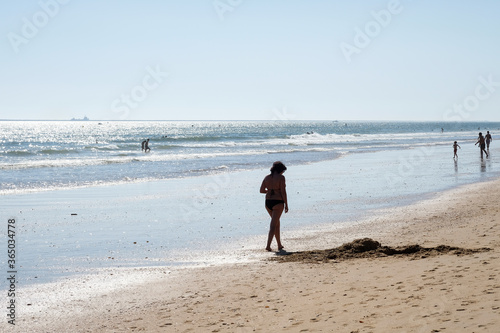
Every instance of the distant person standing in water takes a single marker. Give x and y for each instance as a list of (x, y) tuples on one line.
[(455, 147), (488, 139), (145, 146), (482, 144), (274, 186)]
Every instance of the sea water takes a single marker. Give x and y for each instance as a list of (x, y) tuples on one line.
[(41, 155), (87, 197)]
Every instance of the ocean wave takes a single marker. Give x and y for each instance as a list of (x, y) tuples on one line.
[(304, 145), (317, 138), (46, 187), (196, 138), (108, 147), (295, 144), (124, 158), (19, 153), (56, 151), (69, 153)]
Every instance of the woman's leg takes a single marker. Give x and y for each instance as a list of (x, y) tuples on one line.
[(274, 228), (270, 235)]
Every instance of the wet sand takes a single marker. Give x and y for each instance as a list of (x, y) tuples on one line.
[(446, 292)]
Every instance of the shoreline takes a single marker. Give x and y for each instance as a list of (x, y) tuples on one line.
[(444, 293), (194, 221)]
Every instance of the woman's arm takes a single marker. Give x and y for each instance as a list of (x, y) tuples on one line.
[(283, 193), (263, 188)]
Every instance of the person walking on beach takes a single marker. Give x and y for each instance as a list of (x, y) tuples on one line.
[(455, 147), (274, 186), (488, 140), (145, 146), (482, 144)]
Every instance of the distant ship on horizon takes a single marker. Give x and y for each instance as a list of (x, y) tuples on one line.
[(80, 119)]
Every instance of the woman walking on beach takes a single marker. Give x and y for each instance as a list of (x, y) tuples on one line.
[(274, 187)]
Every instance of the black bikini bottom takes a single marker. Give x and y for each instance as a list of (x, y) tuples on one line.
[(271, 203)]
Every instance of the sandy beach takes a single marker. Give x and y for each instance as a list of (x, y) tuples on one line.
[(137, 141), (435, 293)]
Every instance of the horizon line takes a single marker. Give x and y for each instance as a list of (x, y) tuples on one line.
[(270, 120)]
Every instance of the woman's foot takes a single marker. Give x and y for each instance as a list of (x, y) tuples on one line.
[(281, 247), (269, 249)]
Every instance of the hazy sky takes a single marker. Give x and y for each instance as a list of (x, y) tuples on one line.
[(250, 59)]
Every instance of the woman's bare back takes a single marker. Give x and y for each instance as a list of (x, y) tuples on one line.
[(274, 184)]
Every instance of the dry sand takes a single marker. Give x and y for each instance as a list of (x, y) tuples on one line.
[(438, 293)]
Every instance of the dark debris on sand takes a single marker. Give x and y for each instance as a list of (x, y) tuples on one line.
[(369, 248)]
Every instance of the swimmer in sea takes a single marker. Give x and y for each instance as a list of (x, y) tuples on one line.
[(145, 146)]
